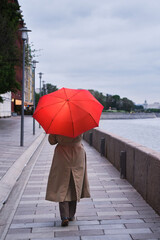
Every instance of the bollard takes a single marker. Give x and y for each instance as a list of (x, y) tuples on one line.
[(90, 138), (123, 164), (102, 146)]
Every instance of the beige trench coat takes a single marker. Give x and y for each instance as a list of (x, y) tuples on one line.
[(69, 160)]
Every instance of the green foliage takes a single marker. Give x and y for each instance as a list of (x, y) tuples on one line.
[(113, 102), (51, 88), (99, 96), (9, 54), (116, 102), (28, 55), (127, 105), (37, 97), (138, 108), (150, 110)]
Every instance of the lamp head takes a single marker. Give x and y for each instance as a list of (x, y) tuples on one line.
[(24, 31), (34, 63)]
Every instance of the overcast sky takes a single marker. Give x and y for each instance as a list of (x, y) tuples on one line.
[(112, 46)]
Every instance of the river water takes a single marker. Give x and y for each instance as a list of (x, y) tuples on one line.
[(143, 131)]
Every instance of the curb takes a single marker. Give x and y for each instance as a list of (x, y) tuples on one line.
[(10, 178)]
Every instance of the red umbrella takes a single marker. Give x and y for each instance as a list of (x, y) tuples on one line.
[(68, 112)]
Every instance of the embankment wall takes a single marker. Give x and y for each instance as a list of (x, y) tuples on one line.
[(142, 163), (119, 115)]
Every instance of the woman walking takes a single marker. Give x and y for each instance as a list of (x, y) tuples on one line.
[(67, 181)]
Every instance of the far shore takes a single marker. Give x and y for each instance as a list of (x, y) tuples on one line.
[(119, 115)]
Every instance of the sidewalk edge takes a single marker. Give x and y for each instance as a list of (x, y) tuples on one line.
[(10, 178)]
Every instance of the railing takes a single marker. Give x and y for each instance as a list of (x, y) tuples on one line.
[(139, 165)]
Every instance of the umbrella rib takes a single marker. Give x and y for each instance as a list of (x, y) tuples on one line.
[(70, 111), (71, 118), (59, 102), (85, 111), (47, 106), (78, 91), (55, 117)]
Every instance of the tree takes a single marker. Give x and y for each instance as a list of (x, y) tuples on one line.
[(37, 97), (10, 17), (108, 102), (51, 88), (99, 96), (116, 102), (128, 105), (139, 108)]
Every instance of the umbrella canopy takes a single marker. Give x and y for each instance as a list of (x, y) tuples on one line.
[(68, 112)]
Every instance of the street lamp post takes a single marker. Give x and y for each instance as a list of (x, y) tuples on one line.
[(40, 78), (43, 87), (24, 31), (34, 66)]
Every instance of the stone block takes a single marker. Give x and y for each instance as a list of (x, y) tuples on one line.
[(127, 231), (107, 237), (140, 171), (111, 150), (153, 182), (130, 162), (119, 145), (79, 233)]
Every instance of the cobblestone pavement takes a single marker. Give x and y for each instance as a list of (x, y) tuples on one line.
[(115, 210), (10, 148)]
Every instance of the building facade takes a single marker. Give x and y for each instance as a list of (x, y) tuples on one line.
[(12, 102), (155, 105), (28, 95), (5, 107)]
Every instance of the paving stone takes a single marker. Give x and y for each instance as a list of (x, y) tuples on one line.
[(131, 208), (32, 225), (31, 206), (79, 233), (155, 229), (42, 220), (146, 236), (105, 209), (29, 202), (30, 198), (107, 226), (152, 226), (46, 235), (102, 205), (79, 223), (128, 231), (115, 213), (60, 238), (88, 218), (123, 221), (55, 229), (113, 237), (25, 211), (109, 199), (19, 231), (34, 216), (136, 216), (17, 221)]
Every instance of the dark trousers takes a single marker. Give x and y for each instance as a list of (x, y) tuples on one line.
[(67, 209)]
